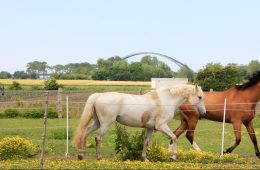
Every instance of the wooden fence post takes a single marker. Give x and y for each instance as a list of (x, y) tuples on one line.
[(141, 91), (59, 106), (44, 131)]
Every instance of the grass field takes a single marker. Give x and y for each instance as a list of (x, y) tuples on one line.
[(76, 82), (208, 137)]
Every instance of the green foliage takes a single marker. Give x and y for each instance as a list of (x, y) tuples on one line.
[(127, 146), (21, 75), (37, 68), (184, 72), (119, 71), (193, 156), (253, 66), (16, 147), (11, 113), (39, 113), (100, 74), (156, 152), (34, 113), (218, 77), (5, 75), (51, 84), (115, 68), (52, 114), (136, 71), (15, 86)]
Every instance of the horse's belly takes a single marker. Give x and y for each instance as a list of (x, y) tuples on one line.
[(129, 121)]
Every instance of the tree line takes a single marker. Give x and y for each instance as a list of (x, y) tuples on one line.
[(213, 75)]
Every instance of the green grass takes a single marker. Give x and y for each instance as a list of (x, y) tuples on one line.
[(115, 164), (207, 136)]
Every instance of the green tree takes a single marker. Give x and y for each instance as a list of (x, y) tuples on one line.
[(184, 72), (100, 74), (37, 67), (20, 75), (218, 77), (58, 68), (253, 66), (5, 75), (136, 71), (119, 71), (149, 60)]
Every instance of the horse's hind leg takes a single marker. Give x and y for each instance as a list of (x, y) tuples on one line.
[(103, 128), (148, 134), (89, 130), (251, 132), (237, 131)]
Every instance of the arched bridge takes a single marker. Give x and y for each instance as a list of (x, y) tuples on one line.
[(180, 64)]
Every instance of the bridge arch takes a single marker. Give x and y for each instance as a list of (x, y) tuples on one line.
[(180, 64)]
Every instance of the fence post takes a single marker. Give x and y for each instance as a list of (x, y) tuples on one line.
[(141, 91), (44, 131), (67, 126), (59, 107), (223, 127)]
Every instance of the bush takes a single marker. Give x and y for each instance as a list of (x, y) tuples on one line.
[(16, 147), (51, 84), (193, 156), (128, 147), (156, 152), (52, 114), (34, 113), (11, 113), (15, 86)]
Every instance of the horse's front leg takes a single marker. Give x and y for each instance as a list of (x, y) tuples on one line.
[(165, 129), (237, 131), (148, 133)]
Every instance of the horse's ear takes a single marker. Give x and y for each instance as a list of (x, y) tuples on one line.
[(196, 87)]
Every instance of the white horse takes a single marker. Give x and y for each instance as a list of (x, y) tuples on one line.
[(153, 110)]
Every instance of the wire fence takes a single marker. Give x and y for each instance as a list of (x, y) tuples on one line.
[(74, 107)]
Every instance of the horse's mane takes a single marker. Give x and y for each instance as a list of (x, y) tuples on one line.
[(251, 81)]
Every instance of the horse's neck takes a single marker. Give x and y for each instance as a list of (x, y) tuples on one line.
[(252, 93)]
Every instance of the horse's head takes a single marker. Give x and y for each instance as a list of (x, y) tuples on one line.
[(196, 99)]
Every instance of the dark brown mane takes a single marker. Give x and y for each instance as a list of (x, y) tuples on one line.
[(255, 78)]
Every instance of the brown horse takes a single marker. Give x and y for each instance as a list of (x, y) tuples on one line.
[(241, 103)]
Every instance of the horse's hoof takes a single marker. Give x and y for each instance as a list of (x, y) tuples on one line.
[(172, 159), (99, 158), (258, 154), (80, 157), (145, 160)]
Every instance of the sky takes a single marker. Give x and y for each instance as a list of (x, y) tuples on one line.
[(195, 32)]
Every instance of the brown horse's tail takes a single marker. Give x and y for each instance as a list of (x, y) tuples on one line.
[(86, 116)]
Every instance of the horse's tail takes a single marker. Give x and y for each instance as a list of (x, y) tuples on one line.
[(86, 116)]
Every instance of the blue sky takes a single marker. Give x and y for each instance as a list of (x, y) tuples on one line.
[(194, 32)]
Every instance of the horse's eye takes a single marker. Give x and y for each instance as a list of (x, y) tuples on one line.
[(200, 97)]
